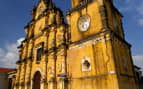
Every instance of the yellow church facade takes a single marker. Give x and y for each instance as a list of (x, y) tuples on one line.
[(87, 52)]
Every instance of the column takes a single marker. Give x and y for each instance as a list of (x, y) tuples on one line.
[(61, 70), (44, 78), (52, 59), (52, 71), (29, 64), (18, 76), (22, 76), (28, 74), (61, 57), (45, 59)]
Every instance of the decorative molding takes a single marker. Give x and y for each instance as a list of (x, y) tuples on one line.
[(55, 49), (94, 39), (88, 42), (52, 80), (40, 45), (36, 70), (104, 16), (91, 77), (127, 75), (80, 6)]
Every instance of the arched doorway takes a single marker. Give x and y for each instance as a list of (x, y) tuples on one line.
[(36, 80)]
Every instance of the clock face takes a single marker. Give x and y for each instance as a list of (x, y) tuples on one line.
[(84, 23)]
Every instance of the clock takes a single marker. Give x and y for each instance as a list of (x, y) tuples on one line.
[(83, 23)]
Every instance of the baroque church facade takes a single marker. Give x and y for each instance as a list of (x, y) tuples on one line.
[(87, 52)]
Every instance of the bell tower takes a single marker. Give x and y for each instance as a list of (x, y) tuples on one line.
[(98, 57), (89, 17)]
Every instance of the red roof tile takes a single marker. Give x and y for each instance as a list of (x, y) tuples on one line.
[(5, 69)]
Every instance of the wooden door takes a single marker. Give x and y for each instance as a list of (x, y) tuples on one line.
[(36, 81)]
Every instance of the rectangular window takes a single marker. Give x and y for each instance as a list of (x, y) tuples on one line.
[(39, 54)]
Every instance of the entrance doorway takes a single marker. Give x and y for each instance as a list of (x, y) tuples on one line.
[(36, 80)]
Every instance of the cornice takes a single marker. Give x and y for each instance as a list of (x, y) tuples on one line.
[(47, 28), (55, 49), (97, 38), (24, 60)]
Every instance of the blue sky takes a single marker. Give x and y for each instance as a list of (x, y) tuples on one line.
[(15, 14)]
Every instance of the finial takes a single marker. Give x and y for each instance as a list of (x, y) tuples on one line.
[(50, 4)]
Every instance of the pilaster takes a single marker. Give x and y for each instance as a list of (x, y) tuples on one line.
[(61, 68), (52, 59), (22, 76), (68, 18), (45, 61), (61, 58), (18, 76), (28, 74), (52, 71)]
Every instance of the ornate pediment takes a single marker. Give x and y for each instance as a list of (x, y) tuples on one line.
[(40, 8)]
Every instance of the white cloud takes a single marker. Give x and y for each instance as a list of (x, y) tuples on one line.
[(138, 60), (19, 41), (9, 55)]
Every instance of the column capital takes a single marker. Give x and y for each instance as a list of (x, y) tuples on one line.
[(52, 80)]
